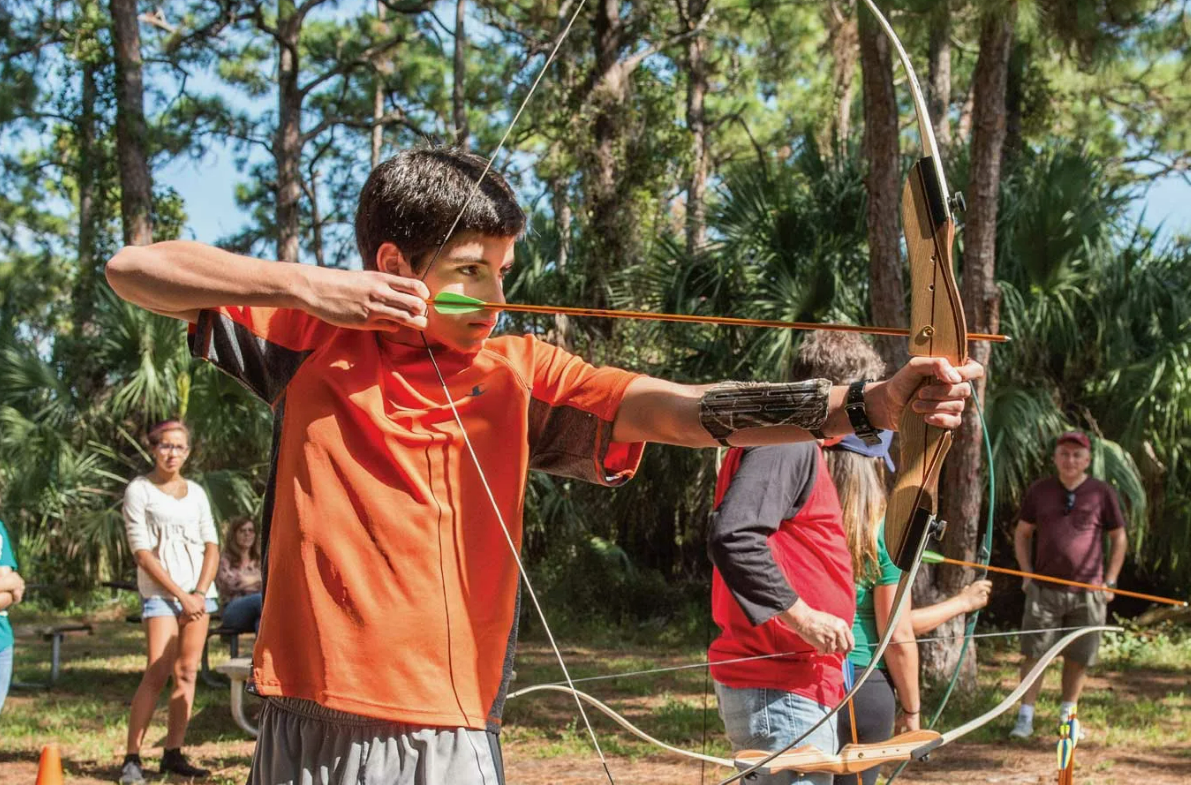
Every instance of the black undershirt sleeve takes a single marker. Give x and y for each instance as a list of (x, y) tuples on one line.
[(770, 486)]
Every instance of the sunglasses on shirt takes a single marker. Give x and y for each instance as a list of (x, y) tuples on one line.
[(1069, 503)]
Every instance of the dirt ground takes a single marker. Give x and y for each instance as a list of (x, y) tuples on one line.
[(87, 712), (1002, 764)]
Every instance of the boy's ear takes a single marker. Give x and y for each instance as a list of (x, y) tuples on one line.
[(389, 259)]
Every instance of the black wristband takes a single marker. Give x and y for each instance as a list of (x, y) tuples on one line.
[(857, 416)]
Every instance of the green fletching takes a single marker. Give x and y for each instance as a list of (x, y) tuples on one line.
[(930, 557), (453, 303)]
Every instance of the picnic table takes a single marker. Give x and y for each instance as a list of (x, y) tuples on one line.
[(238, 670), (54, 634)]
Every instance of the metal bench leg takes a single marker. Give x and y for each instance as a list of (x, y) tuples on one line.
[(238, 708), (205, 674), (55, 656)]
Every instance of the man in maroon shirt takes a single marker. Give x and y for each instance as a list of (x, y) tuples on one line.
[(1066, 518)]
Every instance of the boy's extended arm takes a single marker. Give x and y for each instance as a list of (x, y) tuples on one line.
[(654, 410), (180, 278)]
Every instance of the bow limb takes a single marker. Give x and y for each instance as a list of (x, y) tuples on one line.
[(611, 714), (851, 759), (1034, 674), (937, 324)]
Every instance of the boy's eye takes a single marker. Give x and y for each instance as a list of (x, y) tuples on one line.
[(469, 269)]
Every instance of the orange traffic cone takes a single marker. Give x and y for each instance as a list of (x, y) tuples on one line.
[(49, 771)]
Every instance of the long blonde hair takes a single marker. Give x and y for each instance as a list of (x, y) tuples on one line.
[(859, 480)]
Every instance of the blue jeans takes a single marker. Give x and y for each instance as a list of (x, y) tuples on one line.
[(762, 719), (243, 613), (5, 673)]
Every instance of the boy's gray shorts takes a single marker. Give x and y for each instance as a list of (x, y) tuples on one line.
[(303, 743)]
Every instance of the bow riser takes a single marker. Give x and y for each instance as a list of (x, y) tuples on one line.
[(937, 329)]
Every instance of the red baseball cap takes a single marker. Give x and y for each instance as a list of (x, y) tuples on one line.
[(1075, 437)]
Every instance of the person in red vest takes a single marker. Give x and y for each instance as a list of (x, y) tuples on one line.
[(782, 585)]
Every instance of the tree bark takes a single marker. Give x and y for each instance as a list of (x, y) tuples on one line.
[(378, 94), (1013, 104), (459, 91), (83, 300), (961, 506), (613, 226), (843, 33), (287, 140), (696, 97), (887, 288), (136, 182), (939, 80), (563, 218)]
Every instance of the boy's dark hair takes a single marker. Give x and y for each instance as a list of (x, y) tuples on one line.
[(411, 199)]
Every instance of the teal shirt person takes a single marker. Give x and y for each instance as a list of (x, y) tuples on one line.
[(8, 558), (864, 628)]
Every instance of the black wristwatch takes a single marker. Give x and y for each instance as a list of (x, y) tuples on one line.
[(857, 416)]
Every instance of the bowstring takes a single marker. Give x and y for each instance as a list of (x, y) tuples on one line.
[(459, 420), (984, 555)]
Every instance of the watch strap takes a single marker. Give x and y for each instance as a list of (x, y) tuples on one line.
[(857, 415)]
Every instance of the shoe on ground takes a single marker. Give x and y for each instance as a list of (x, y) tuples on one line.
[(131, 774), (174, 762), (1024, 728)]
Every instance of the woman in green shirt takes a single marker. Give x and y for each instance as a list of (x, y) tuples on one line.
[(889, 700), (859, 471)]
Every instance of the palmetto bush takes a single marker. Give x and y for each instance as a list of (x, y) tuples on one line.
[(68, 450)]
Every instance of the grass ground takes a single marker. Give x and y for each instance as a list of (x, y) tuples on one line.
[(1137, 709)]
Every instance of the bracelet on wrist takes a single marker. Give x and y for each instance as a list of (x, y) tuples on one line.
[(906, 712)]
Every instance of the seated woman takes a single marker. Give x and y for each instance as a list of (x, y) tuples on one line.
[(239, 576)]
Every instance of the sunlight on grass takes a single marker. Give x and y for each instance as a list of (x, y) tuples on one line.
[(1138, 700)]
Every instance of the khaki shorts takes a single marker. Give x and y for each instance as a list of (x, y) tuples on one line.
[(1048, 608)]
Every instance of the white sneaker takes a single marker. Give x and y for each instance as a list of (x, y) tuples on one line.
[(1024, 728)]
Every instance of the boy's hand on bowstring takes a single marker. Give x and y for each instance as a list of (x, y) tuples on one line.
[(364, 299), (941, 403)]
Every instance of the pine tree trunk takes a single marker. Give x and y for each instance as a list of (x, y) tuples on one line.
[(136, 182), (887, 288), (378, 97), (961, 505), (939, 81), (844, 35), (696, 97), (613, 225), (83, 300), (287, 141), (563, 217), (459, 91)]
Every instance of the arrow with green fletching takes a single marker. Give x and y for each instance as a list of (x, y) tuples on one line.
[(453, 303)]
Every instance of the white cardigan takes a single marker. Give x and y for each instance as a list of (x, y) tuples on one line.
[(174, 530)]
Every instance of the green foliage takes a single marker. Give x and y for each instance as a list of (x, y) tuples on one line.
[(1093, 300)]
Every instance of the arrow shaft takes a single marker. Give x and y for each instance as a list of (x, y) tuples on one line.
[(1048, 579), (651, 316)]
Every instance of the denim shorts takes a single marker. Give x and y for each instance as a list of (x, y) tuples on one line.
[(756, 718), (168, 606)]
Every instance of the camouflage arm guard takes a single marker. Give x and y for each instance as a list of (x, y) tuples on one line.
[(729, 407)]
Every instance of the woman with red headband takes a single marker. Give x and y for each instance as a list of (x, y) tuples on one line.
[(171, 534)]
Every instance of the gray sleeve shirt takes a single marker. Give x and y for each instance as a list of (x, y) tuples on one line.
[(771, 485)]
